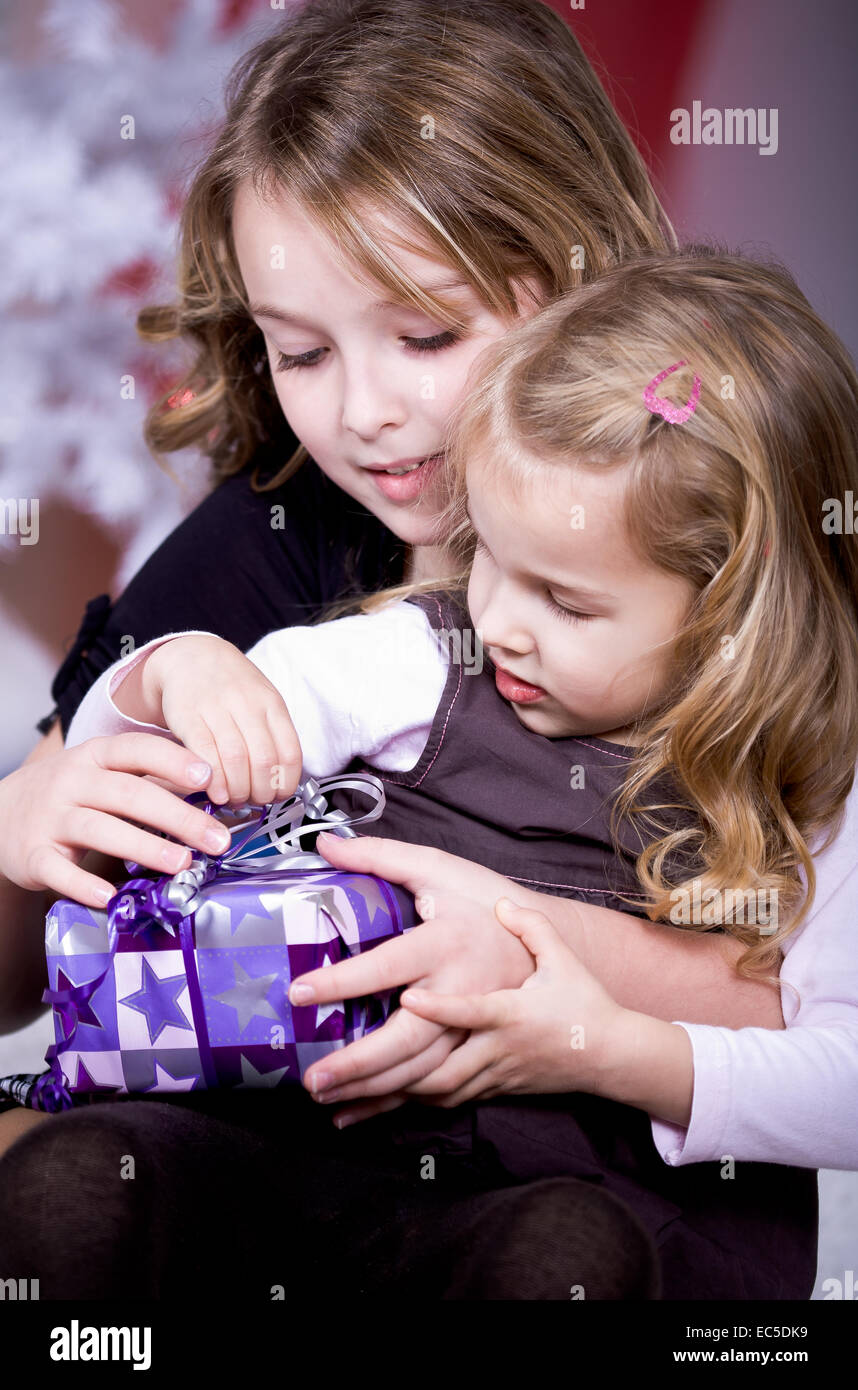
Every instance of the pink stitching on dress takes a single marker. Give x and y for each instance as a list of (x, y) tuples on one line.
[(579, 887), (622, 757), (400, 782)]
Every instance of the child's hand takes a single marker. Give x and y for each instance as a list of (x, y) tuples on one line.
[(60, 804), (554, 1033), (226, 712)]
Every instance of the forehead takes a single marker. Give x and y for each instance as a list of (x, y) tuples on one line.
[(282, 220), (563, 514)]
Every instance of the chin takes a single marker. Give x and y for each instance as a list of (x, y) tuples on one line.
[(540, 721), (415, 528)]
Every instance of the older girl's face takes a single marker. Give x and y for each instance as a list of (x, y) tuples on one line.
[(363, 383)]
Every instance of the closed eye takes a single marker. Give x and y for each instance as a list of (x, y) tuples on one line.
[(437, 343), (569, 615)]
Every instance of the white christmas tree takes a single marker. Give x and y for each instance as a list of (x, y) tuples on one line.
[(99, 132)]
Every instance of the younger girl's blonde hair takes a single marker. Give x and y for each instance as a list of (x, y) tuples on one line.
[(478, 126), (758, 730)]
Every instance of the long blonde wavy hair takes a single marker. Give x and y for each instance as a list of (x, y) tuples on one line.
[(758, 729), (528, 171)]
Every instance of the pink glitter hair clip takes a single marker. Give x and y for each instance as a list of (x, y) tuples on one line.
[(674, 414)]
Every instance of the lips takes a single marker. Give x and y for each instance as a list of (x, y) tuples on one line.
[(406, 486), (399, 463), (513, 688)]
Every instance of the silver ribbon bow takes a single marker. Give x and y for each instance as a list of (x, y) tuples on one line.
[(269, 845)]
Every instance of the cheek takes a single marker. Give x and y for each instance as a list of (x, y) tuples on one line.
[(478, 588), (306, 415), (585, 659)]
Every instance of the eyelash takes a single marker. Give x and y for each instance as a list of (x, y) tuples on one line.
[(437, 343), (569, 615)]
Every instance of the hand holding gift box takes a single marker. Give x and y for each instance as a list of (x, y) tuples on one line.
[(182, 983)]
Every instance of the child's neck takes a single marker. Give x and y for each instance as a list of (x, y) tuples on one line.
[(425, 562)]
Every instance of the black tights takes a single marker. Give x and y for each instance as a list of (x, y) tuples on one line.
[(246, 1194)]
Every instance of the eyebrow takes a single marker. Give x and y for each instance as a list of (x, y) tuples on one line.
[(583, 590), (271, 311)]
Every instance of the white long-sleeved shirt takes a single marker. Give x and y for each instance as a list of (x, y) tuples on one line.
[(369, 685)]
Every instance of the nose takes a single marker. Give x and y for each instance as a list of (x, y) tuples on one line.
[(503, 627), (371, 401)]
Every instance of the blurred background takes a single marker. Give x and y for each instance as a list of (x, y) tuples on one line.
[(88, 236)]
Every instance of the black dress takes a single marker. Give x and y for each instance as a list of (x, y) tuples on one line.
[(242, 1193), (242, 564)]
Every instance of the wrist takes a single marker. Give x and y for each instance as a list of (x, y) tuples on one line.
[(649, 1064), (139, 694)]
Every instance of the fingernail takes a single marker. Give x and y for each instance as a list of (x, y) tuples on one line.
[(331, 1095), (343, 1120), (102, 895), (301, 994), (320, 1081), (199, 772), (217, 839)]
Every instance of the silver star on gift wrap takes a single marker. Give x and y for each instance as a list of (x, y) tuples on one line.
[(324, 1011), (69, 921), (157, 1000), (226, 924), (248, 996), (326, 903), (162, 1077), (251, 1077), (370, 892)]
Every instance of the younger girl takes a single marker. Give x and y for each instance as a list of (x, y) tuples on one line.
[(643, 480)]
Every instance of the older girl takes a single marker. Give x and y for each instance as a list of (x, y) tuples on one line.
[(668, 618), (478, 131)]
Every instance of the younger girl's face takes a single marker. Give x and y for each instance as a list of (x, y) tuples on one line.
[(561, 601), (363, 383)]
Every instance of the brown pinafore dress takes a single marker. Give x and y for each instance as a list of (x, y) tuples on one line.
[(537, 810)]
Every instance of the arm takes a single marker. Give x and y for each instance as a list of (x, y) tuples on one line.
[(658, 969), (763, 1095), (650, 967), (22, 924), (23, 974), (366, 683), (264, 577), (751, 1094)]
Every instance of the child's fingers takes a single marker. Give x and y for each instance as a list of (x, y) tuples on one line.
[(400, 1039), (199, 737), (60, 875), (457, 1010), (365, 1109), (88, 828), (138, 799), (231, 769), (394, 1078), (265, 771), (289, 757), (474, 1058), (533, 928), (149, 754)]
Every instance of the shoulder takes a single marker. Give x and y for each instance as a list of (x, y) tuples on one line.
[(442, 607), (398, 633)]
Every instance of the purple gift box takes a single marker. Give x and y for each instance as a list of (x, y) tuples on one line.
[(182, 983)]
